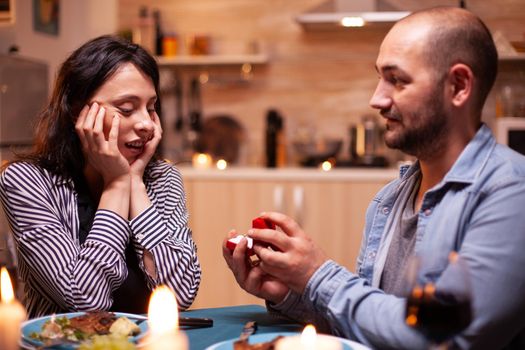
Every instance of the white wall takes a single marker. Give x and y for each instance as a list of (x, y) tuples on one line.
[(79, 20)]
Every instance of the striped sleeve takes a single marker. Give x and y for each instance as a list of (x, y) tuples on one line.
[(163, 230), (42, 214)]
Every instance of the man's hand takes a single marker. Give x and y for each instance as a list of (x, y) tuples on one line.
[(252, 278), (289, 255)]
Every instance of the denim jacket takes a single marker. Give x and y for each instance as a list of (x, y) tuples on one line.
[(478, 209)]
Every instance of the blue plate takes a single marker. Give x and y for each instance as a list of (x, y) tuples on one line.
[(35, 325), (265, 337)]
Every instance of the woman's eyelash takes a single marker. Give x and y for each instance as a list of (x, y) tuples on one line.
[(126, 110)]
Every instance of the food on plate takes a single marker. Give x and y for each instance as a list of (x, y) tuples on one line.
[(93, 322), (245, 345), (107, 342), (123, 326), (83, 327)]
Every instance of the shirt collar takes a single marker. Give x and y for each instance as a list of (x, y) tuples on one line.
[(469, 163), (473, 158)]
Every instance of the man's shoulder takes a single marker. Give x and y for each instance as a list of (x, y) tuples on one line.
[(506, 162)]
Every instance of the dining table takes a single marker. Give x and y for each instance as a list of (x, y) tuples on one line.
[(229, 321), (254, 322)]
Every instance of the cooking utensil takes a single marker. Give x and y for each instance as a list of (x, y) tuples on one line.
[(179, 115), (222, 137), (195, 105), (311, 153)]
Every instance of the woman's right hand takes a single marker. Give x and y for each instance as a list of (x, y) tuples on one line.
[(101, 153)]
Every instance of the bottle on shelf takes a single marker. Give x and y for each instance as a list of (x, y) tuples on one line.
[(159, 34), (275, 141), (144, 31)]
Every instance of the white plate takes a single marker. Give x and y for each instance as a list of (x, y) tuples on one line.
[(35, 325), (264, 337)]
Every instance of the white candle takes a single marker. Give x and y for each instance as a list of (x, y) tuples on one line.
[(12, 313), (163, 321), (308, 340)]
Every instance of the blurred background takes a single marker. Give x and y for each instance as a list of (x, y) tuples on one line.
[(249, 85)]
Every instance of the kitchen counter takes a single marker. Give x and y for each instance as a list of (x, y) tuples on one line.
[(292, 174), (329, 205)]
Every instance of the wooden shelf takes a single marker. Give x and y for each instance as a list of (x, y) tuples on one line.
[(518, 57), (211, 60)]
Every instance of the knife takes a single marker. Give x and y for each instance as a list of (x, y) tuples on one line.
[(197, 322)]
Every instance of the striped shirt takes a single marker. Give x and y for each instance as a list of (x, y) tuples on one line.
[(60, 274)]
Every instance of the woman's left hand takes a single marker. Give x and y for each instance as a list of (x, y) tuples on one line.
[(139, 165)]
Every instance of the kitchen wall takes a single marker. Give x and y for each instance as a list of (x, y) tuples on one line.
[(315, 78), (322, 80), (79, 21)]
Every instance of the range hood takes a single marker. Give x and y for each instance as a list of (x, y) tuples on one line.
[(350, 13)]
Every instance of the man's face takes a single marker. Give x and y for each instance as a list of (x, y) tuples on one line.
[(409, 95)]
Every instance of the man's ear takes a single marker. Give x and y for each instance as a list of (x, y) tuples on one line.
[(461, 81)]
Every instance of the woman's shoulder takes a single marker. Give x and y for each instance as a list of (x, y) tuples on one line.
[(27, 172), (22, 168)]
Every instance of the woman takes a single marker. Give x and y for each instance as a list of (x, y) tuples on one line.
[(97, 219)]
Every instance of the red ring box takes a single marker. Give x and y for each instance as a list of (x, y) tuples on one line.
[(258, 223)]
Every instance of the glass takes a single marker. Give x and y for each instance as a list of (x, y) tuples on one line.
[(438, 309)]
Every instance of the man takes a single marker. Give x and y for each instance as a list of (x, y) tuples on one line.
[(464, 194)]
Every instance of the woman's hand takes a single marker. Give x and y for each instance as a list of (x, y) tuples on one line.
[(139, 165), (252, 278), (291, 254), (101, 154)]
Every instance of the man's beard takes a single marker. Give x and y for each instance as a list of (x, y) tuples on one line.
[(426, 133)]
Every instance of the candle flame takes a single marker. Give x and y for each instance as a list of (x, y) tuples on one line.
[(163, 313), (309, 335), (6, 288)]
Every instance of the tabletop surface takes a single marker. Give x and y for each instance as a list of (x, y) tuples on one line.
[(228, 323)]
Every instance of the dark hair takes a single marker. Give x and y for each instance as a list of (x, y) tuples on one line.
[(458, 36), (57, 147)]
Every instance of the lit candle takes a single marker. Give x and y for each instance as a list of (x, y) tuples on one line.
[(163, 322), (308, 340), (12, 313), (201, 160)]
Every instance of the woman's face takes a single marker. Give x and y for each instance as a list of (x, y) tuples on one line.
[(130, 94)]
